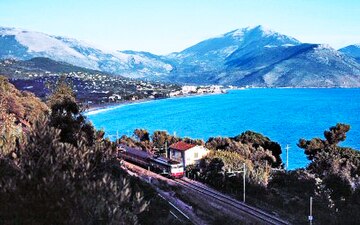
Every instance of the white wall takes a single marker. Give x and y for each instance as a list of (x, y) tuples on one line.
[(192, 155)]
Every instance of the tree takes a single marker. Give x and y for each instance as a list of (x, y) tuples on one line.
[(66, 116), (258, 140), (59, 183), (337, 167), (159, 139), (337, 133), (18, 111), (215, 173), (142, 134), (60, 91)]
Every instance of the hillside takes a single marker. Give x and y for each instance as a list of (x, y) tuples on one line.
[(305, 65), (24, 45), (352, 50), (90, 86), (260, 57)]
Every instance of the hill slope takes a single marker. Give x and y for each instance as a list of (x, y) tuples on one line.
[(23, 45), (352, 50)]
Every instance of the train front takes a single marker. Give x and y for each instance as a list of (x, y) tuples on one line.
[(177, 170)]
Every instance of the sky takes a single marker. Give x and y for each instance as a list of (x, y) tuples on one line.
[(165, 26)]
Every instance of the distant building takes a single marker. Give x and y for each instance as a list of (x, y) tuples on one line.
[(188, 89), (188, 154)]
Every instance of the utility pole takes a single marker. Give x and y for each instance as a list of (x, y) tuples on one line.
[(244, 173), (287, 157), (117, 136), (166, 151), (310, 216)]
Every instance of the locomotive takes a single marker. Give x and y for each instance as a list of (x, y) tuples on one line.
[(159, 164)]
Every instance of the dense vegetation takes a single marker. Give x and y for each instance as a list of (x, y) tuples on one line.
[(331, 178), (56, 169)]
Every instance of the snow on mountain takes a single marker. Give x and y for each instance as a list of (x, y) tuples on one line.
[(24, 45), (209, 57), (305, 65), (352, 50), (260, 57), (248, 56)]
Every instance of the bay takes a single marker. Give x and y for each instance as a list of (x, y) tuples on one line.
[(283, 114)]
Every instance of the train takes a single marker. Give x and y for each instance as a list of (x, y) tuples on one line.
[(159, 164)]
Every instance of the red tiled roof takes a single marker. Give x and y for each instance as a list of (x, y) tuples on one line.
[(181, 146)]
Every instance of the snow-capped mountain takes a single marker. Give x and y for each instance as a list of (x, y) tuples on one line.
[(24, 45), (210, 57), (304, 65), (352, 50), (258, 56), (249, 56)]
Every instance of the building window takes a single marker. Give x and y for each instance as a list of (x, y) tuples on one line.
[(196, 155)]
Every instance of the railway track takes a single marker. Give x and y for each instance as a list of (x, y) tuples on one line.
[(254, 212)]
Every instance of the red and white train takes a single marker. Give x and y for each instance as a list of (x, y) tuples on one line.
[(159, 164)]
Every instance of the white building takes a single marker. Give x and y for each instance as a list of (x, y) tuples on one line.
[(188, 154), (188, 89)]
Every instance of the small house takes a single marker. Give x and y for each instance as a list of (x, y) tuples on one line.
[(186, 153)]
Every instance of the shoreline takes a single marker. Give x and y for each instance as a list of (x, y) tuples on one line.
[(114, 105), (109, 105)]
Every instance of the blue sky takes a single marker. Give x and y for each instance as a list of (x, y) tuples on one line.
[(164, 26)]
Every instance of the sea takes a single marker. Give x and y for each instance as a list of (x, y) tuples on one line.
[(283, 114)]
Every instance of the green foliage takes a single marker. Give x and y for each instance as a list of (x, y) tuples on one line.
[(74, 127), (159, 139), (61, 91), (58, 183), (131, 142), (18, 111), (250, 145), (337, 133), (10, 134), (23, 105), (257, 140), (66, 116), (257, 173), (328, 159), (338, 168), (142, 134)]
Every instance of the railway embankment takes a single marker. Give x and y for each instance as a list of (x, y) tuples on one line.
[(200, 205)]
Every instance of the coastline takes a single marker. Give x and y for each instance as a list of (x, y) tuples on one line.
[(113, 105)]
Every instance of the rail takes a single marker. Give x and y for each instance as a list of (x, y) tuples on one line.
[(255, 212)]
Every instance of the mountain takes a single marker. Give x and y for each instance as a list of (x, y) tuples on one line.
[(16, 69), (257, 56), (304, 65), (352, 50), (254, 56), (23, 45), (209, 58)]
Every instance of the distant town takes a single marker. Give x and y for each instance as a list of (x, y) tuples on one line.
[(94, 87)]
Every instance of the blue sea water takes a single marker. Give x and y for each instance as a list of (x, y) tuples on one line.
[(283, 115)]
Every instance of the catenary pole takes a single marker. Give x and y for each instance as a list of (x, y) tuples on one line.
[(244, 175), (310, 216)]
